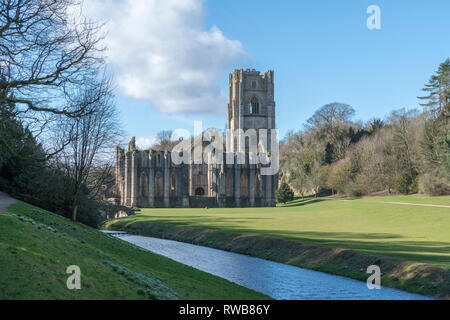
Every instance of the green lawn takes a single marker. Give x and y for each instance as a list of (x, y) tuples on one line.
[(413, 199), (413, 233), (36, 247)]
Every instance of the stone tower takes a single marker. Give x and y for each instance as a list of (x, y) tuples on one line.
[(251, 106)]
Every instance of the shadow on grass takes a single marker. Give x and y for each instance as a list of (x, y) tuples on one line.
[(433, 252), (301, 201), (382, 244)]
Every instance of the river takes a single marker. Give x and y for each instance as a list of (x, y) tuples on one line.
[(277, 280)]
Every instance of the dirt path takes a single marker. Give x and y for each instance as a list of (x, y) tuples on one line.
[(5, 201), (420, 204)]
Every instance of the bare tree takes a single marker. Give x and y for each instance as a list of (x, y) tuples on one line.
[(48, 53), (293, 164), (332, 124), (330, 118), (87, 159), (164, 142), (404, 126)]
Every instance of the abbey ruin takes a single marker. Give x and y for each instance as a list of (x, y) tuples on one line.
[(151, 179)]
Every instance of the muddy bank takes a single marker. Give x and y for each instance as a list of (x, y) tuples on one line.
[(409, 276)]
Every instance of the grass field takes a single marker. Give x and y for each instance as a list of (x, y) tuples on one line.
[(36, 247), (412, 199), (371, 225)]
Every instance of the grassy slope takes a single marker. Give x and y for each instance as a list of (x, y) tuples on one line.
[(37, 246), (370, 225)]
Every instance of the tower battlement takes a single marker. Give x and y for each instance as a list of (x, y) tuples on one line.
[(251, 102)]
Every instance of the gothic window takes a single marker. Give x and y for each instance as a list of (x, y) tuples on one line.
[(199, 192), (158, 184), (244, 184), (254, 105), (228, 185), (173, 184), (143, 184), (258, 184), (254, 84)]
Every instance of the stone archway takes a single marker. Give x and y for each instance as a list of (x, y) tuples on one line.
[(144, 185), (243, 184), (158, 184), (199, 192), (229, 187), (173, 184)]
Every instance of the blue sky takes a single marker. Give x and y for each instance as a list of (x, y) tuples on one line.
[(321, 52)]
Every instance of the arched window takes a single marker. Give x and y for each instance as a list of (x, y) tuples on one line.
[(158, 162), (199, 192), (244, 184), (158, 184), (143, 184), (254, 105), (228, 185), (258, 184), (173, 184)]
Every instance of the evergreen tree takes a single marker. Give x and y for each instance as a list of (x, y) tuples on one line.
[(284, 193), (435, 140), (438, 89)]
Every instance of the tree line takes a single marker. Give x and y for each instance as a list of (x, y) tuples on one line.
[(58, 120), (408, 152)]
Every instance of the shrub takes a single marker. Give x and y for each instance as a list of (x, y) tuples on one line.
[(284, 193), (51, 190), (340, 176), (405, 182), (433, 184)]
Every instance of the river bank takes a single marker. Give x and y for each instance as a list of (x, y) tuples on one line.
[(408, 276), (277, 280)]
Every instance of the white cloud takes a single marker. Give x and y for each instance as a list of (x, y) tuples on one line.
[(161, 52), (145, 142)]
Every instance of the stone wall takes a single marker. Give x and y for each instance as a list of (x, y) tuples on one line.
[(149, 179), (202, 202)]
